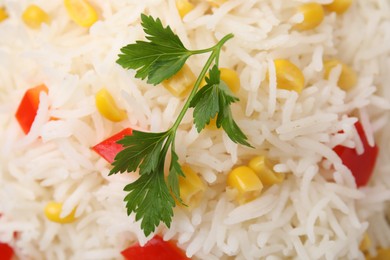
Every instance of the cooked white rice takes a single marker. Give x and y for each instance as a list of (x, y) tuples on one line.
[(306, 217)]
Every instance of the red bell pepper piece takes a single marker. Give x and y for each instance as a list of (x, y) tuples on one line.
[(109, 148), (361, 165), (6, 252), (28, 107), (155, 249)]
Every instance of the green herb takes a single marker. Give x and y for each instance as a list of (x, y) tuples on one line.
[(151, 197)]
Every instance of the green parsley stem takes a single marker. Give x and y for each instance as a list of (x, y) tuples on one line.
[(217, 46), (215, 54)]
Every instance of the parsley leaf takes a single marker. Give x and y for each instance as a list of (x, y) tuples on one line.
[(231, 128), (157, 59), (216, 98), (149, 198), (173, 177), (206, 101), (152, 197), (141, 150)]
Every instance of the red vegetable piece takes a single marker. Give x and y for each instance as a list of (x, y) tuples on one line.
[(28, 107), (361, 165), (155, 249), (6, 252), (109, 148)]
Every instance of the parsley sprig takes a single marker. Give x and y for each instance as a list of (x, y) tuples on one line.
[(152, 197)]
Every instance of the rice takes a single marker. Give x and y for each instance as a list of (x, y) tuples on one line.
[(316, 213)]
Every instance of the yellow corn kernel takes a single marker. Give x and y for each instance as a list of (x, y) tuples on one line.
[(107, 107), (53, 211), (382, 254), (347, 79), (81, 12), (230, 77), (338, 6), (365, 243), (191, 187), (216, 3), (184, 7), (313, 14), (34, 16), (288, 76), (180, 84), (263, 168), (246, 182), (3, 14)]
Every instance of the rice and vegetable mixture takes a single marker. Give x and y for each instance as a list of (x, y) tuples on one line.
[(308, 85)]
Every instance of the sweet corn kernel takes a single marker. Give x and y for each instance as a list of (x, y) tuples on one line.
[(313, 14), (246, 182), (191, 187), (184, 7), (338, 6), (347, 79), (107, 107), (180, 83), (53, 211), (34, 17), (81, 12), (288, 76), (263, 168), (382, 254), (365, 243), (3, 14), (230, 77), (216, 3)]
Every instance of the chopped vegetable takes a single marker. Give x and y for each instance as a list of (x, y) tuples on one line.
[(191, 187), (34, 16), (361, 165), (246, 182), (28, 107), (347, 79), (289, 76), (81, 12), (53, 211), (3, 14), (184, 7), (155, 249), (107, 107), (338, 6), (313, 14), (109, 148), (150, 197), (263, 168), (6, 252), (180, 83)]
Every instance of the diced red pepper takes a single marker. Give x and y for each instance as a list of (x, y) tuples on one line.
[(155, 249), (6, 252), (361, 165), (109, 148), (28, 107)]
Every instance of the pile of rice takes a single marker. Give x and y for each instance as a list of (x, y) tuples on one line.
[(316, 213)]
